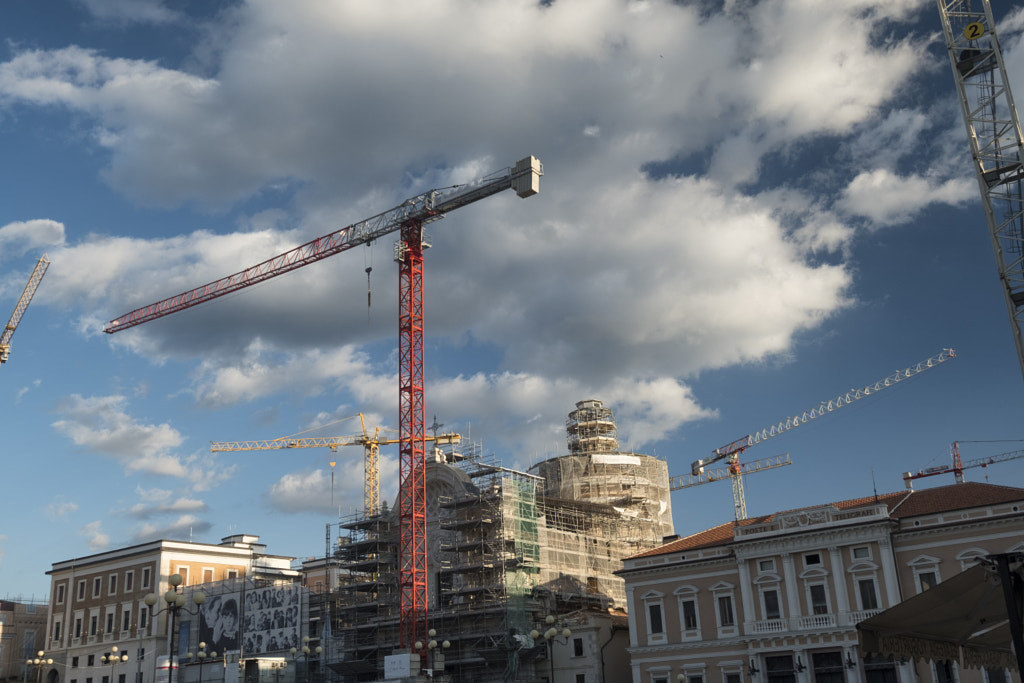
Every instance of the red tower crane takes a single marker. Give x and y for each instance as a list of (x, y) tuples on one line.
[(408, 218), (958, 466)]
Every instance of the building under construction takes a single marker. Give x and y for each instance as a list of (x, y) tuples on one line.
[(506, 549)]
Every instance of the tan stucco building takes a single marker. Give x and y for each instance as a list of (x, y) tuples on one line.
[(776, 599)]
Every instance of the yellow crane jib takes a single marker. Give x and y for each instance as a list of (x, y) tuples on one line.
[(19, 310)]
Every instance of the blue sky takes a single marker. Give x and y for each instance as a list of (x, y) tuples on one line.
[(747, 209)]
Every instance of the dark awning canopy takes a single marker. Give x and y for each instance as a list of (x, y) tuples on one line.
[(972, 618)]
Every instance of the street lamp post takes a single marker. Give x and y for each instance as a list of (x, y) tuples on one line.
[(175, 604), (435, 660), (305, 652), (40, 661), (112, 659), (550, 634), (201, 655)]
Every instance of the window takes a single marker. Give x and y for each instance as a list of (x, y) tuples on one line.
[(97, 584), (143, 618), (861, 552), (696, 678), (879, 670), (81, 590), (944, 672), (142, 653), (91, 661), (112, 590), (725, 613), (766, 565), (110, 623), (207, 575), (780, 669), (577, 647), (93, 624), (655, 612), (74, 662), (78, 627), (126, 620), (812, 560), (771, 604), (145, 577), (184, 575), (995, 676), (733, 678), (56, 630), (129, 581), (60, 594), (828, 667), (581, 678), (655, 624), (926, 580), (819, 598), (868, 597), (28, 645), (690, 615), (231, 574)]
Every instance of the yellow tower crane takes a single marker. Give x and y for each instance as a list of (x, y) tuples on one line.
[(371, 453), (19, 310)]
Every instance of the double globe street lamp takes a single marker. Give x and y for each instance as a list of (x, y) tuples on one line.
[(40, 662), (112, 659), (305, 651), (201, 656), (175, 604)]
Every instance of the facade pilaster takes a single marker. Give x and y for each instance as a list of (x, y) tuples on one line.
[(839, 580)]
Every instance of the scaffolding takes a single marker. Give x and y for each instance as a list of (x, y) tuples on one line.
[(507, 549)]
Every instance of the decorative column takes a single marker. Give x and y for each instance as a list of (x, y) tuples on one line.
[(892, 584), (792, 589), (746, 597), (839, 580)]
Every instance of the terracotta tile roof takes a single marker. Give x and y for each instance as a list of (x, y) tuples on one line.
[(900, 504)]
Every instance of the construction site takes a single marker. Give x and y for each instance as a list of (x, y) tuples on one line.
[(509, 553)]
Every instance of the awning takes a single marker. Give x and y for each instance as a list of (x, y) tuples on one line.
[(966, 618)]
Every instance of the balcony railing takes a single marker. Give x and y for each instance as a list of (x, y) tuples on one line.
[(813, 622)]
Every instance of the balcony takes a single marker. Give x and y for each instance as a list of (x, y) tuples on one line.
[(813, 622)]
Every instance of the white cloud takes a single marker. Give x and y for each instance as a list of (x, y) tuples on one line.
[(162, 502), (60, 508), (20, 237), (887, 199), (95, 537), (311, 490), (101, 425), (612, 283), (184, 527), (130, 11)]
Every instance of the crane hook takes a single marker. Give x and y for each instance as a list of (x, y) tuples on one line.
[(368, 269)]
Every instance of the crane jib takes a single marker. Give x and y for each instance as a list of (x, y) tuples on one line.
[(425, 208)]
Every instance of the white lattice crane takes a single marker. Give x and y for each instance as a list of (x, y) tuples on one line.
[(19, 310), (730, 453), (997, 148)]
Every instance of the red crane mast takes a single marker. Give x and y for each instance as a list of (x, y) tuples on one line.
[(408, 218)]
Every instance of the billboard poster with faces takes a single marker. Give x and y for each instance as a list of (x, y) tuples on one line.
[(219, 622), (272, 617)]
